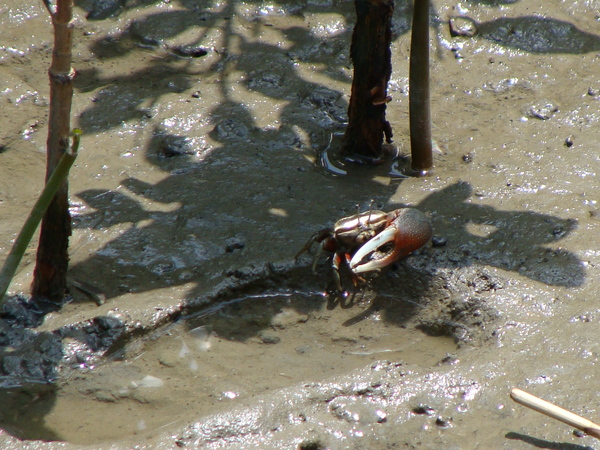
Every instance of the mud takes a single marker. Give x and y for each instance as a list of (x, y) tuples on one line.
[(208, 160)]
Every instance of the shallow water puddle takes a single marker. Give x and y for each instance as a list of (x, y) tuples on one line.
[(219, 359)]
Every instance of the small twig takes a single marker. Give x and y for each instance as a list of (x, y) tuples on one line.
[(544, 407), (35, 216), (94, 293)]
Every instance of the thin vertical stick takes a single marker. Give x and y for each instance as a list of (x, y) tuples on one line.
[(418, 81), (50, 275)]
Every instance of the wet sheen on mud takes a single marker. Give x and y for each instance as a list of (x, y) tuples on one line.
[(220, 359), (207, 162)]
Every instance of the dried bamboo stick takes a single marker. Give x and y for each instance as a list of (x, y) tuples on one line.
[(544, 407)]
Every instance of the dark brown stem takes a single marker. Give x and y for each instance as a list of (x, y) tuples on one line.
[(50, 274), (420, 116), (371, 57)]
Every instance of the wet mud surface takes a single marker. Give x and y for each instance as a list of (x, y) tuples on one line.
[(201, 175)]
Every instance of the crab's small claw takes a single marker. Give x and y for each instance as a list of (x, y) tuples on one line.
[(407, 232), (323, 239)]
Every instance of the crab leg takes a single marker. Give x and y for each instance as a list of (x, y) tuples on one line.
[(407, 232), (337, 259)]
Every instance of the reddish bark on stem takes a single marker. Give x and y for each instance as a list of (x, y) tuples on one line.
[(371, 57), (50, 274)]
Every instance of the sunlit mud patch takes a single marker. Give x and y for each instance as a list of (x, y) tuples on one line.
[(269, 328)]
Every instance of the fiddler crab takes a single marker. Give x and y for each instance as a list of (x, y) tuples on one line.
[(371, 240)]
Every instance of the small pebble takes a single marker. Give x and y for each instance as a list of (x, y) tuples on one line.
[(381, 416), (150, 381), (229, 394), (234, 243), (192, 51), (543, 111), (173, 146), (450, 360), (268, 338), (424, 409), (569, 141), (462, 26), (439, 241), (303, 349), (443, 423)]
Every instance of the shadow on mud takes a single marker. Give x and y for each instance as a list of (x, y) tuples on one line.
[(448, 291), (542, 443), (518, 241), (32, 362), (231, 222), (539, 35), (28, 370)]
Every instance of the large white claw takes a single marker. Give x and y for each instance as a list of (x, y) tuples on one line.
[(386, 236)]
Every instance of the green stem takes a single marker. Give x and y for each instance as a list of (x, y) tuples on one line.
[(59, 175)]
